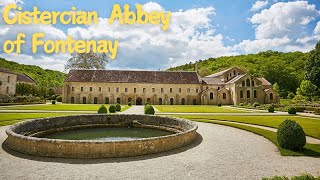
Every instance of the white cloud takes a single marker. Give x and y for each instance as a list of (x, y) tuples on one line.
[(284, 19), (259, 5), (317, 29)]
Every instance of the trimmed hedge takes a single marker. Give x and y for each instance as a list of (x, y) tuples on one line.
[(290, 135), (149, 110), (129, 104), (292, 110), (256, 104), (102, 110), (112, 109), (59, 99), (219, 104), (53, 102), (118, 107), (271, 109)]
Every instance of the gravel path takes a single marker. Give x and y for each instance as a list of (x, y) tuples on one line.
[(220, 153), (134, 110)]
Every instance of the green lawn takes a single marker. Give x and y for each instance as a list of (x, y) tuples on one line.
[(11, 118), (196, 109), (285, 101), (311, 126), (60, 107), (309, 150)]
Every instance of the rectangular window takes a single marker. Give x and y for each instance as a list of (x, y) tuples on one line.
[(153, 90), (72, 89), (81, 88), (144, 90), (162, 90), (100, 89), (188, 90), (125, 89), (135, 90), (109, 89), (197, 90), (179, 90), (254, 94), (90, 88), (117, 89), (170, 90), (8, 79)]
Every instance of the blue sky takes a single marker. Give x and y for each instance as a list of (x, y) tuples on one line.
[(199, 29)]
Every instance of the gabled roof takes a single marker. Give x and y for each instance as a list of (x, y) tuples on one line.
[(124, 76), (219, 73), (212, 80), (264, 82), (6, 70), (235, 79), (25, 78)]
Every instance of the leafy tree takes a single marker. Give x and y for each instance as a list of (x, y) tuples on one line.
[(89, 60), (204, 71), (307, 89), (313, 66), (276, 87), (290, 95)]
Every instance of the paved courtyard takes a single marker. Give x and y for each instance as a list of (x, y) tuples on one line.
[(220, 153)]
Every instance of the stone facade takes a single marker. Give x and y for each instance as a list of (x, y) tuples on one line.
[(231, 86), (9, 81)]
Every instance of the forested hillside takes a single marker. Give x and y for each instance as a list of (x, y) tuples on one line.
[(286, 69), (44, 77)]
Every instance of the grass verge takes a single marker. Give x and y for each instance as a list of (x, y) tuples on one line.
[(196, 109)]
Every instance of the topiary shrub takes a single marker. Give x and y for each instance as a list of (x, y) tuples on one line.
[(290, 135), (53, 102), (219, 104), (118, 107), (112, 109), (256, 104), (129, 104), (59, 99), (271, 109), (292, 110), (241, 104), (102, 110), (149, 110)]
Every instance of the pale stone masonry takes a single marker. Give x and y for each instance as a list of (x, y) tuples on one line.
[(9, 81), (231, 86)]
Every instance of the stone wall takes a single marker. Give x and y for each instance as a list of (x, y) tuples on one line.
[(19, 140), (8, 83)]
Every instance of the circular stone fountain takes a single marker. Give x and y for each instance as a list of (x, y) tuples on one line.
[(50, 137)]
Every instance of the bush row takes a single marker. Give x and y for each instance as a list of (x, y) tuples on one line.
[(112, 109)]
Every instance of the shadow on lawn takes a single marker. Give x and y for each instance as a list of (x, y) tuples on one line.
[(106, 160)]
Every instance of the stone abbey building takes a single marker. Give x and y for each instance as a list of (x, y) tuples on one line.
[(231, 86)]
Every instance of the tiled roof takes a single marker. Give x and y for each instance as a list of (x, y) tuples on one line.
[(219, 73), (264, 82), (212, 80), (123, 76), (236, 78), (6, 70), (25, 78)]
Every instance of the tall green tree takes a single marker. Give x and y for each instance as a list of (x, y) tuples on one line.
[(89, 60), (313, 66), (307, 89)]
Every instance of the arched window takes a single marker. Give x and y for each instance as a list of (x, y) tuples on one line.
[(252, 83), (248, 93), (183, 101), (241, 94), (243, 84), (160, 101), (95, 100), (224, 96), (255, 94), (107, 101), (194, 102), (271, 96), (72, 100), (171, 101), (234, 72), (248, 82), (211, 95), (118, 100), (84, 100)]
